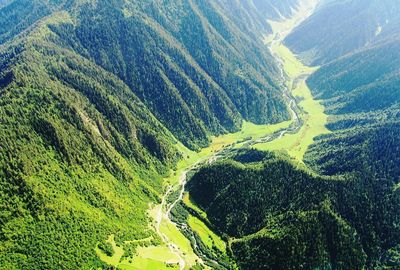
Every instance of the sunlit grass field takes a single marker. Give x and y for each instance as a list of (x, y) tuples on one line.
[(313, 114), (208, 237), (160, 256)]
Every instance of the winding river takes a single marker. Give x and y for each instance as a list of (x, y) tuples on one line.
[(294, 110)]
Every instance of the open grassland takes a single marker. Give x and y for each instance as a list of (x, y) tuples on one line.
[(312, 115), (148, 256), (186, 200), (248, 131), (208, 237)]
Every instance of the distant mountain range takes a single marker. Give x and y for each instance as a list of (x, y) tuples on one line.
[(340, 27)]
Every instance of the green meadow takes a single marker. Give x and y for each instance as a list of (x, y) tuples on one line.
[(160, 256), (208, 237), (313, 116)]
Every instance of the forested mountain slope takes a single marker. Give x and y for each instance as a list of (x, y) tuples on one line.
[(361, 92), (362, 82), (340, 27), (96, 94), (251, 16), (93, 95), (278, 217), (194, 88), (80, 158), (344, 214)]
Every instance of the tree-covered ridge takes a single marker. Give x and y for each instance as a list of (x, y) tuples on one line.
[(279, 217), (92, 97), (193, 64), (185, 61), (340, 27), (251, 15), (81, 157), (361, 82)]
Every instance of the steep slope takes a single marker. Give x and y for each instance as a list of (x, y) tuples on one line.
[(81, 157), (194, 88), (93, 95), (361, 91), (251, 15), (344, 215), (18, 16), (340, 27), (278, 217), (362, 82)]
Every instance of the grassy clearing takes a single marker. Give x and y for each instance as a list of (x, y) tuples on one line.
[(189, 159), (147, 264), (172, 232), (152, 258), (292, 66), (186, 200), (208, 237), (313, 114), (148, 258), (111, 260), (249, 130)]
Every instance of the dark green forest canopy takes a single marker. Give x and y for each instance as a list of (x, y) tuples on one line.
[(93, 97), (348, 217), (279, 217)]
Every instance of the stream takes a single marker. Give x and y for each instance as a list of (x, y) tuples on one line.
[(294, 110)]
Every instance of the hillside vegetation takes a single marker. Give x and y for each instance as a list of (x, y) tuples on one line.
[(352, 25), (340, 211), (94, 96), (278, 217)]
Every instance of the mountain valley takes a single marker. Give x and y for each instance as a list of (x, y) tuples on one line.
[(199, 134)]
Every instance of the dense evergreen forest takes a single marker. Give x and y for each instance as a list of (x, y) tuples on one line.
[(277, 216), (342, 211), (98, 96), (93, 98)]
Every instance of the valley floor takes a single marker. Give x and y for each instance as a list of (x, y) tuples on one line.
[(294, 137)]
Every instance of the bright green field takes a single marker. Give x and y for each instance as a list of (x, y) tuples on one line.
[(148, 258), (208, 237), (157, 257), (186, 200), (314, 117), (248, 130)]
